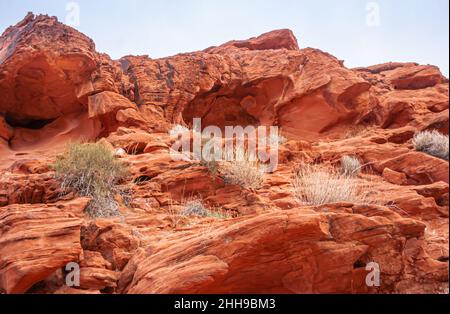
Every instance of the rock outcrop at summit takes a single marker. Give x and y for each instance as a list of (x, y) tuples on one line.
[(57, 88), (230, 86), (48, 72)]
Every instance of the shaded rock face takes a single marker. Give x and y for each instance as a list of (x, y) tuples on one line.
[(48, 71), (56, 88)]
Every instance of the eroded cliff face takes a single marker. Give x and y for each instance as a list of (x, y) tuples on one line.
[(56, 88)]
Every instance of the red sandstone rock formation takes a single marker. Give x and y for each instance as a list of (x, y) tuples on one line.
[(56, 88)]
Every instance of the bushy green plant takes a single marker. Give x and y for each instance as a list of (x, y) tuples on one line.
[(92, 170)]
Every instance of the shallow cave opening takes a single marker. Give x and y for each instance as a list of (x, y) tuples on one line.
[(32, 124), (238, 103), (221, 111), (232, 104)]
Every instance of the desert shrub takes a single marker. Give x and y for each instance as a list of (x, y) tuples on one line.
[(194, 207), (350, 166), (242, 170), (91, 170), (318, 185), (432, 143)]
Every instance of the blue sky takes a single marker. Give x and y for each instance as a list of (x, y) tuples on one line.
[(404, 30)]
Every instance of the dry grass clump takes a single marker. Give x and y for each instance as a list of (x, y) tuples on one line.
[(432, 143), (350, 166), (243, 170), (91, 170), (318, 185), (194, 207)]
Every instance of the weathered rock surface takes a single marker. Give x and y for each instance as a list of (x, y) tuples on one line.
[(37, 240), (56, 88), (305, 252)]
